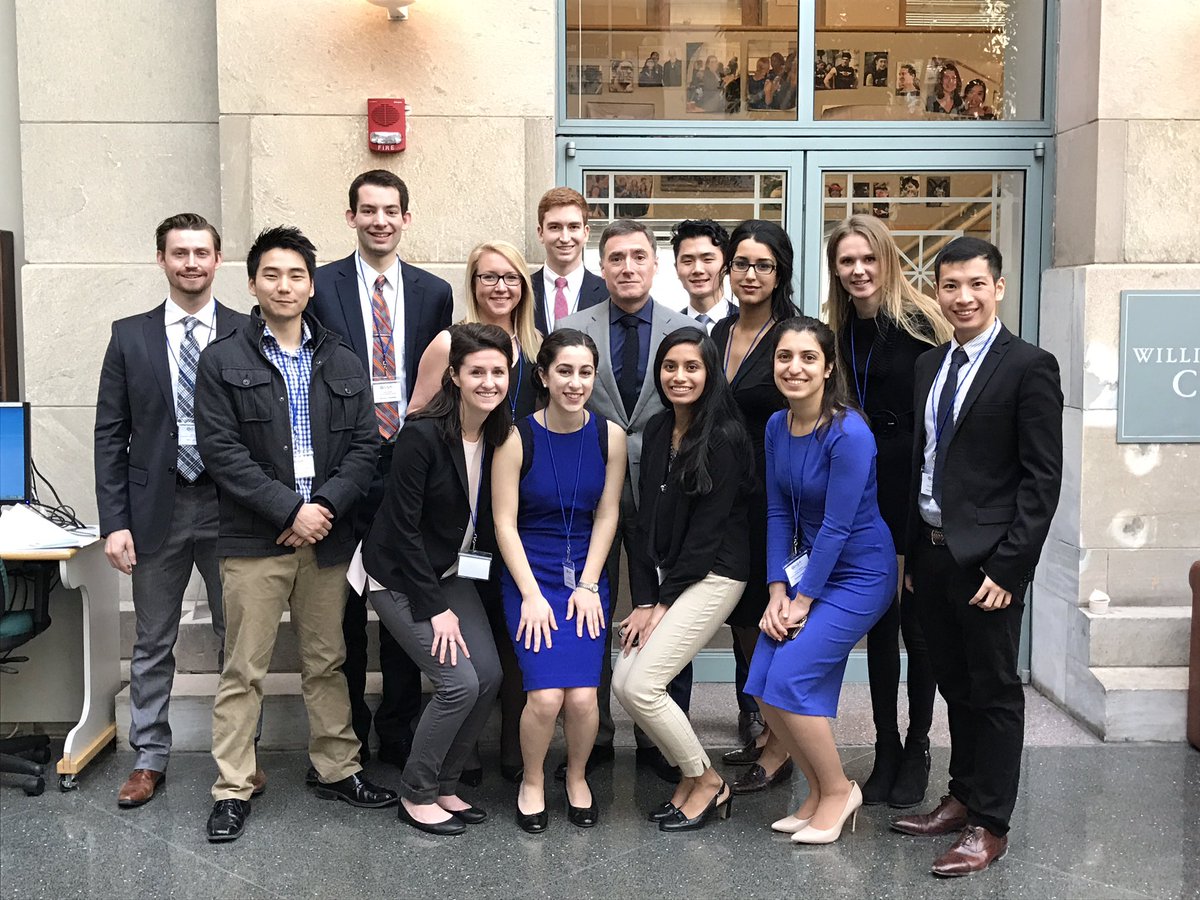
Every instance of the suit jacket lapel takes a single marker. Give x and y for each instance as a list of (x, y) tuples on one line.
[(751, 360), (347, 292), (987, 368), (926, 374), (460, 466), (154, 331), (226, 321), (601, 335), (414, 297), (539, 301)]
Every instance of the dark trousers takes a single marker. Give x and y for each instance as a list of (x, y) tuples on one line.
[(974, 659), (401, 703), (883, 671), (741, 670)]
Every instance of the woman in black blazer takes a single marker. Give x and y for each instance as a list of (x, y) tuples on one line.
[(691, 563), (429, 545), (883, 324)]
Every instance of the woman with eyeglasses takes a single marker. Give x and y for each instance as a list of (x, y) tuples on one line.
[(499, 293), (882, 324), (759, 266)]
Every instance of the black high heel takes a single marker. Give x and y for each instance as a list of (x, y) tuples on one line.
[(665, 811), (723, 809)]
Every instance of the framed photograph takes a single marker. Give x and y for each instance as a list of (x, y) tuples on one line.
[(880, 208), (771, 186), (937, 187), (841, 73), (907, 82), (875, 68), (622, 76), (910, 185), (672, 74), (705, 183), (835, 189), (599, 109), (651, 72), (585, 78), (862, 189), (632, 186)]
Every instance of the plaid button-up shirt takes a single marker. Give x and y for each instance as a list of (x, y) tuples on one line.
[(296, 369)]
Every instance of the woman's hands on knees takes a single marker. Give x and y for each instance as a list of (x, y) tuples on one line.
[(537, 621), (587, 609), (447, 637)]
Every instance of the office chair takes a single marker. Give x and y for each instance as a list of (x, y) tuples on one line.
[(23, 755)]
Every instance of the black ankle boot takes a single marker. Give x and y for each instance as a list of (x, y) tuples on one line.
[(878, 788), (913, 777)]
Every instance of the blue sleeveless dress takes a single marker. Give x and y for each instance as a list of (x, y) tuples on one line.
[(572, 661)]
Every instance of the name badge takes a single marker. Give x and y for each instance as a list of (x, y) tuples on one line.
[(304, 465), (187, 434), (474, 565), (569, 574), (795, 566), (387, 391), (926, 483)]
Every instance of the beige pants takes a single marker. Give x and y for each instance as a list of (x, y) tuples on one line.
[(640, 679), (257, 590)]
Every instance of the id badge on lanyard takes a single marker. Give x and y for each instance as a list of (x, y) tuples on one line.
[(474, 565), (387, 390), (795, 567), (187, 433)]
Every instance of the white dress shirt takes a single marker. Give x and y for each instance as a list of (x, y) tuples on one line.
[(718, 312), (974, 348), (393, 298), (204, 332), (571, 291)]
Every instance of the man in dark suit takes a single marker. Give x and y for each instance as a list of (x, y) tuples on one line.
[(700, 247), (988, 458), (158, 505), (387, 311), (627, 330), (563, 286)]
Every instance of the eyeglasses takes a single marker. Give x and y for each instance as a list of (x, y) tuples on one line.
[(762, 267), (491, 279)]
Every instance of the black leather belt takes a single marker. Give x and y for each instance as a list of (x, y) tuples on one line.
[(202, 479), (935, 536)]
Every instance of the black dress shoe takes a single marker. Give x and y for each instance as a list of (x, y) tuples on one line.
[(756, 778), (665, 811), (471, 777), (444, 828), (311, 778), (652, 757), (227, 820), (743, 756), (357, 791), (393, 754), (601, 754), (472, 815), (533, 823), (512, 774), (582, 816)]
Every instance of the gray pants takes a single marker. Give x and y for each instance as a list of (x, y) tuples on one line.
[(159, 581), (463, 694)]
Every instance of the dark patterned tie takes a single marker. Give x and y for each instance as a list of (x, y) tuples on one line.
[(188, 458), (945, 418)]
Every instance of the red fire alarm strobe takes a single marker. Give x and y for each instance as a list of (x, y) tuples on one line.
[(386, 125)]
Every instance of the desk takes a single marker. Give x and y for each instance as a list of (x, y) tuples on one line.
[(86, 569)]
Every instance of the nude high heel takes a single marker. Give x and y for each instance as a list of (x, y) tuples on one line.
[(810, 835), (789, 825)]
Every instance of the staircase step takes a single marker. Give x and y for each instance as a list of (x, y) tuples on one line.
[(1135, 636), (1143, 703)]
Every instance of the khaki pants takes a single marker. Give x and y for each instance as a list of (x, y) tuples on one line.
[(257, 590), (640, 679)]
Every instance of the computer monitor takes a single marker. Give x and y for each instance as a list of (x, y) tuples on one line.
[(14, 453)]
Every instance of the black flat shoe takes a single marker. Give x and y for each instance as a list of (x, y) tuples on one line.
[(471, 777), (756, 779), (227, 820), (533, 823), (722, 810), (665, 811), (513, 774), (445, 828), (357, 791), (311, 778), (743, 756), (601, 754), (472, 815), (582, 816), (878, 786), (652, 758), (912, 778)]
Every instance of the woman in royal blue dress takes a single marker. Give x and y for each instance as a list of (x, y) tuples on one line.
[(556, 497), (831, 569)]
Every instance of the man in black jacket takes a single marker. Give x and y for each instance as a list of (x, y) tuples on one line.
[(287, 428)]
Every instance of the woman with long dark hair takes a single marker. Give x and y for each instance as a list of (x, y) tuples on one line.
[(947, 97), (691, 563), (759, 266), (882, 324), (831, 565), (426, 550), (556, 487)]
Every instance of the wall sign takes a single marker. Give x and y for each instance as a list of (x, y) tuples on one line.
[(1159, 397)]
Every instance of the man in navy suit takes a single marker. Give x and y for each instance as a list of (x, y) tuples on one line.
[(987, 460), (563, 286), (701, 246), (387, 311), (157, 504)]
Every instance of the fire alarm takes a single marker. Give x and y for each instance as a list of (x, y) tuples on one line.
[(386, 126)]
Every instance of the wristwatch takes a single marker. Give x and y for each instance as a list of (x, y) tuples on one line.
[(593, 586)]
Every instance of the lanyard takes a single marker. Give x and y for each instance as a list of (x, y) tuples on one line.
[(939, 423), (478, 488), (568, 524), (860, 391), (385, 341), (754, 343), (797, 491), (512, 402)]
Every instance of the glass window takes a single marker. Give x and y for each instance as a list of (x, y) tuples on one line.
[(931, 60), (684, 59), (926, 210)]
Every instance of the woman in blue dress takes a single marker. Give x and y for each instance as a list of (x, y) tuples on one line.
[(831, 569), (556, 494)]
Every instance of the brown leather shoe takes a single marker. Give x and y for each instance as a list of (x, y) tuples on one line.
[(258, 781), (949, 816), (139, 788), (975, 850)]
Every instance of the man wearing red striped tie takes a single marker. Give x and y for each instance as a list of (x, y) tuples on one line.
[(387, 311)]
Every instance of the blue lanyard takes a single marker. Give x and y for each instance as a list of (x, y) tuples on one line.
[(939, 423), (568, 524), (861, 391), (385, 341), (512, 403), (797, 491), (478, 488), (754, 343)]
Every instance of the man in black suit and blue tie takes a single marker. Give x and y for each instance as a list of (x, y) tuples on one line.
[(988, 458), (387, 311), (157, 504), (563, 286)]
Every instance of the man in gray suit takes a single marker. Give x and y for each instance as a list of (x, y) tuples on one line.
[(627, 329)]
